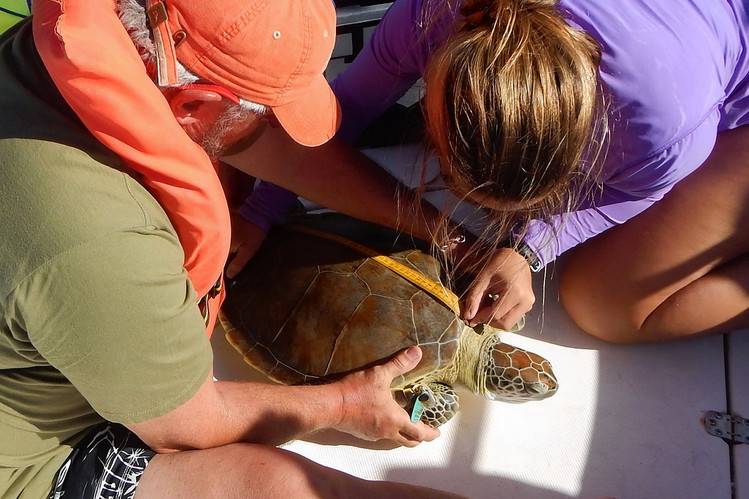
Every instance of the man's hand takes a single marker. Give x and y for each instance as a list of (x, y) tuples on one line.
[(246, 239), (225, 412), (368, 409), (502, 292)]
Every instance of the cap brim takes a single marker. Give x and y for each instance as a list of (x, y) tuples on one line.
[(314, 119)]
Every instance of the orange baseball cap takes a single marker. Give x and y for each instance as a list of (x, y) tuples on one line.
[(272, 52)]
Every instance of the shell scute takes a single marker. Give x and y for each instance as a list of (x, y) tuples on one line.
[(308, 337), (382, 283), (371, 335)]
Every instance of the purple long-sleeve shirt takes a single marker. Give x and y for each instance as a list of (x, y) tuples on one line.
[(675, 72)]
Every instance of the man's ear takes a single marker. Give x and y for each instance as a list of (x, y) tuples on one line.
[(191, 106)]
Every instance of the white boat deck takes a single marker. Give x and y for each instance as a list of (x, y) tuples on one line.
[(626, 422)]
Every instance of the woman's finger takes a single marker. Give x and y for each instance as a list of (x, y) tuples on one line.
[(245, 252), (475, 296), (497, 305), (243, 255), (511, 318)]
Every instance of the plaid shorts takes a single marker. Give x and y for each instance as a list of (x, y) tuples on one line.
[(106, 464)]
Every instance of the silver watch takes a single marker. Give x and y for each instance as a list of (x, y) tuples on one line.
[(534, 262)]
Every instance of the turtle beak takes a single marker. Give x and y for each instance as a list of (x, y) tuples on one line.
[(539, 388)]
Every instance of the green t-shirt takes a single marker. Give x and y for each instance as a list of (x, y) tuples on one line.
[(97, 317)]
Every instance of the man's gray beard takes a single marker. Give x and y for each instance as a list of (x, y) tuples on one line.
[(213, 141)]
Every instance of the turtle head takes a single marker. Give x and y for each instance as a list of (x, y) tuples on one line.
[(513, 374)]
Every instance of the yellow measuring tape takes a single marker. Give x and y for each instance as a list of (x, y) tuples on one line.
[(413, 276)]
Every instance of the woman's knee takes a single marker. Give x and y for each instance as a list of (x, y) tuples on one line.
[(593, 308)]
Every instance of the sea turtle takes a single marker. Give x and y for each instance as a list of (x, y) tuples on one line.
[(307, 309)]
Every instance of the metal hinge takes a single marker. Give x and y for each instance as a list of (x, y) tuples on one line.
[(732, 429)]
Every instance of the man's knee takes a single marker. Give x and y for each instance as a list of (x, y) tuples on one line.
[(278, 471), (239, 470)]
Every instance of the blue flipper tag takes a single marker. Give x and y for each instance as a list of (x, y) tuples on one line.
[(418, 409)]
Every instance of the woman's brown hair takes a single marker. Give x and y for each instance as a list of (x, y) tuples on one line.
[(514, 109)]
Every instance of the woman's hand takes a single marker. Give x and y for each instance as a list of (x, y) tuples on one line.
[(502, 292), (368, 409), (246, 239)]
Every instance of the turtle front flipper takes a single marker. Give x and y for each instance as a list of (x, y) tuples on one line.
[(437, 403)]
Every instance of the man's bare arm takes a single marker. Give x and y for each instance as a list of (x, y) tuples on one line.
[(223, 412), (339, 177)]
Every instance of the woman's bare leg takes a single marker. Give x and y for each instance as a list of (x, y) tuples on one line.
[(249, 471), (679, 269)]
